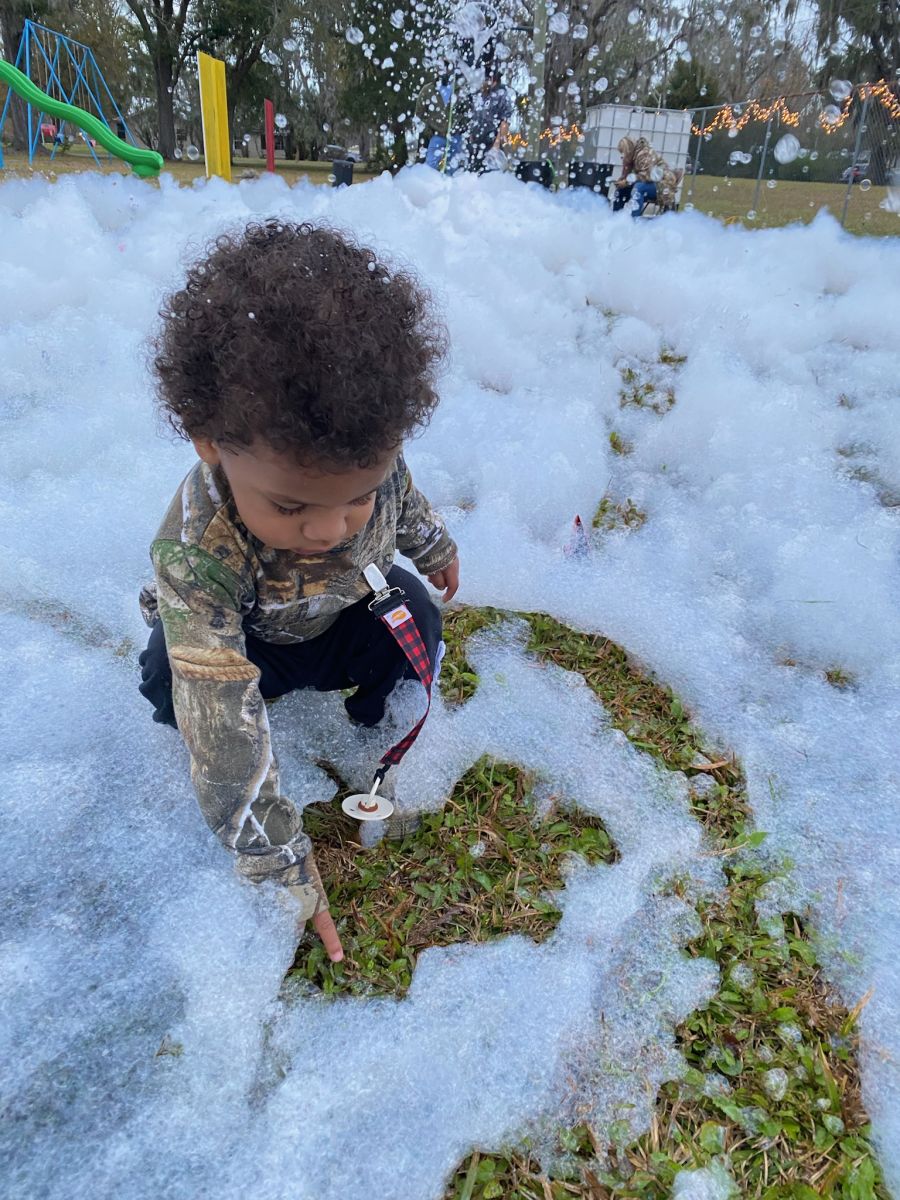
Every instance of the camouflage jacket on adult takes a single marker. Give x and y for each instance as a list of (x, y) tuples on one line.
[(215, 581), (649, 166)]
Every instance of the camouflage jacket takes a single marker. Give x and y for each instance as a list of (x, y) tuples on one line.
[(214, 582), (650, 167)]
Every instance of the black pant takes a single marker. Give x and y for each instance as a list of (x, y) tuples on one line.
[(622, 197), (358, 650)]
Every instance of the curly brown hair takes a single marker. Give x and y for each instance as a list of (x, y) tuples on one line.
[(294, 335)]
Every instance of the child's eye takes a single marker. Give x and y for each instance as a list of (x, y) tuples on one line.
[(364, 500), (288, 511)]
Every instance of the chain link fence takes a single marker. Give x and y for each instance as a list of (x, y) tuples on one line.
[(768, 162)]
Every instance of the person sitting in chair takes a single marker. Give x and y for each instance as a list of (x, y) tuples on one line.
[(646, 178)]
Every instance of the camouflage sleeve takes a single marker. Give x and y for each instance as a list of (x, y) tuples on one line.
[(222, 717), (421, 534)]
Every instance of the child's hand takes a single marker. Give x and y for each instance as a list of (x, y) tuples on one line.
[(447, 580), (322, 921), (325, 928)]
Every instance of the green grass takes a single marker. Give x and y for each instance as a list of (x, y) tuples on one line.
[(772, 1015), (78, 159), (732, 199)]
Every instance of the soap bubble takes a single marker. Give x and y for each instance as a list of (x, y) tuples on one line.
[(387, 63), (719, 17), (840, 89), (558, 23), (291, 45), (865, 185), (580, 32), (281, 121), (176, 153), (656, 174), (771, 183), (573, 89), (354, 36), (751, 215), (733, 131), (397, 18), (193, 153), (601, 84), (246, 139), (634, 16), (775, 1082), (469, 21), (831, 114), (756, 31), (787, 148)]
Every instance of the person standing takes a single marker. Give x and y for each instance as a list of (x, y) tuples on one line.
[(489, 128)]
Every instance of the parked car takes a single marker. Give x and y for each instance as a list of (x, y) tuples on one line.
[(330, 153), (854, 173)]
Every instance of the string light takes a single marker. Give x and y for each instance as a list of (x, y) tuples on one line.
[(554, 136), (880, 91), (726, 118)]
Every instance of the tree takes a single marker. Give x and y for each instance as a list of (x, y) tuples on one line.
[(236, 31), (169, 42), (872, 29), (691, 85)]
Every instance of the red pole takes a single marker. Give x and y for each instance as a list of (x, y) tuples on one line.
[(270, 136)]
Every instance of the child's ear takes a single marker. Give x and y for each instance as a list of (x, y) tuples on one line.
[(207, 450)]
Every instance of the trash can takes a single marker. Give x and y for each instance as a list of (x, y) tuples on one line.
[(535, 171), (343, 172)]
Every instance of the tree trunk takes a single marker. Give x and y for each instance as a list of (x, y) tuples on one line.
[(11, 27), (165, 103)]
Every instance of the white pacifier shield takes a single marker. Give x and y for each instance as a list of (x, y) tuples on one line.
[(366, 806)]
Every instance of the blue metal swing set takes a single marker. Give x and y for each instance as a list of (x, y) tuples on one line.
[(65, 70)]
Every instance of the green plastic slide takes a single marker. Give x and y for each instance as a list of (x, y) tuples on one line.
[(146, 163)]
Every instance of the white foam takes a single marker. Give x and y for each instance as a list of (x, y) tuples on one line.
[(770, 539)]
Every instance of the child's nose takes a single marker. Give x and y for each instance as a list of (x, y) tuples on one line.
[(327, 527)]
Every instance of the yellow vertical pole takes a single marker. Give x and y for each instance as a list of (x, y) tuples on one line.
[(214, 113)]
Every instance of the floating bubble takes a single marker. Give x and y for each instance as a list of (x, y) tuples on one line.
[(787, 148), (771, 183), (193, 153), (631, 177), (751, 215), (865, 185), (775, 1083), (354, 36), (270, 57), (580, 32), (176, 153), (719, 17), (733, 131), (501, 52), (756, 31), (246, 139), (291, 45), (558, 23), (281, 121), (656, 174), (601, 84), (398, 16), (469, 21), (634, 16), (573, 89), (831, 114), (813, 155), (387, 63), (840, 89)]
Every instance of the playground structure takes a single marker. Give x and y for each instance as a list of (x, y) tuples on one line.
[(66, 71)]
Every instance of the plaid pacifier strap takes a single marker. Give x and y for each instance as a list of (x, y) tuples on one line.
[(389, 605)]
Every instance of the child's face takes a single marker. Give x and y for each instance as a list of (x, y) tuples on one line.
[(289, 507)]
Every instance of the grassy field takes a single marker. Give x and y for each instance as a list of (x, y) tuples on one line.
[(78, 159), (730, 200)]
